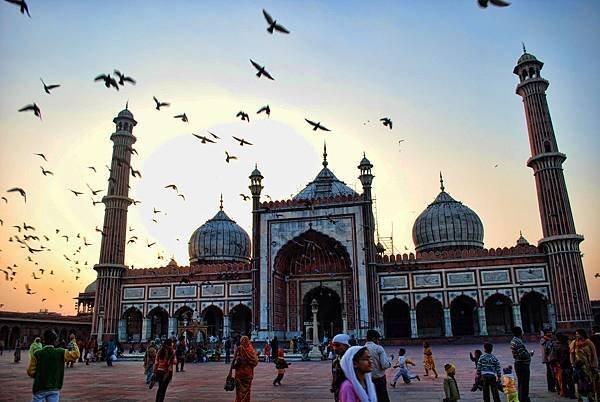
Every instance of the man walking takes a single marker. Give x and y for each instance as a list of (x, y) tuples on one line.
[(340, 344), (488, 369), (380, 364), (548, 357), (522, 362), (47, 368)]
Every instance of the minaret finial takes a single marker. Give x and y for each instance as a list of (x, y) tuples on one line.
[(325, 154), (524, 50), (442, 182), (127, 105), (221, 206)]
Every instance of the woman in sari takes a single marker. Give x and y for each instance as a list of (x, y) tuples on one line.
[(245, 359), (585, 366)]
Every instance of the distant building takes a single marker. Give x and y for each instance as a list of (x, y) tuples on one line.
[(320, 245)]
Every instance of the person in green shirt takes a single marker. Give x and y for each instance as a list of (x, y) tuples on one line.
[(35, 346), (47, 368)]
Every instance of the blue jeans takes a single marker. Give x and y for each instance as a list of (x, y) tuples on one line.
[(149, 373), (46, 396)]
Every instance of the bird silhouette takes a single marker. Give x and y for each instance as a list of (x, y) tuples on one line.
[(265, 109), (28, 289), (160, 104), (241, 141), (386, 122), (27, 227), (317, 126), (34, 108), (48, 88), (172, 186), (243, 115), (156, 211), (5, 199), (497, 3), (261, 70), (77, 193), (203, 139), (245, 197), (94, 203), (42, 156), (183, 117), (23, 6), (150, 244), (46, 172), (135, 173), (181, 195), (214, 135), (123, 78), (94, 192), (108, 81), (273, 25), (229, 157), (20, 191), (92, 168)]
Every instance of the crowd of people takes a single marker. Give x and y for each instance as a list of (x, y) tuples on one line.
[(359, 373)]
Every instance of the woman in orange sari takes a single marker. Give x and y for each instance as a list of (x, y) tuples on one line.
[(245, 359)]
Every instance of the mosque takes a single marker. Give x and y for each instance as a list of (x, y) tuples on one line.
[(313, 260)]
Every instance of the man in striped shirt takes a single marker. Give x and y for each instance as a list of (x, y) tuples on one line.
[(522, 362)]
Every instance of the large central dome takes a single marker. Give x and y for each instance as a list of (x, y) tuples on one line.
[(219, 239), (447, 224)]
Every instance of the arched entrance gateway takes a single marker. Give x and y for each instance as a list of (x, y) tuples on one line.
[(240, 317), (133, 324), (312, 266), (396, 319), (159, 323), (463, 316), (430, 318), (498, 315), (534, 312), (213, 317)]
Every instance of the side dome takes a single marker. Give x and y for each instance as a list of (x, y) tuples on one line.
[(447, 224), (219, 239), (91, 288)]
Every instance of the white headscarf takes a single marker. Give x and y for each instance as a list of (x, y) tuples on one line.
[(347, 365)]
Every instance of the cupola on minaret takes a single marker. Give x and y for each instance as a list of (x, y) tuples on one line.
[(560, 241)]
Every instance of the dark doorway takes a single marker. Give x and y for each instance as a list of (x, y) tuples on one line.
[(534, 312), (396, 318), (240, 316), (159, 323), (133, 324), (463, 316), (430, 318), (498, 315), (329, 315), (214, 321)]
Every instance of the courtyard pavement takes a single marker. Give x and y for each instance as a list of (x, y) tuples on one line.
[(304, 381)]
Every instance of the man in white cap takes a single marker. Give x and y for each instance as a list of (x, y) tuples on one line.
[(340, 343)]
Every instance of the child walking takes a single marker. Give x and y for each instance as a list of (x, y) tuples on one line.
[(509, 383), (280, 365), (450, 386), (477, 382), (403, 371), (428, 361), (267, 352)]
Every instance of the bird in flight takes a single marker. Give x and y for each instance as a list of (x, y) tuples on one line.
[(48, 88), (183, 117), (273, 25), (92, 168), (46, 172), (386, 122), (160, 104), (34, 108), (317, 126), (241, 141), (156, 211), (77, 193), (108, 81), (22, 5), (20, 191), (135, 173), (28, 289), (181, 195), (261, 70), (203, 139), (265, 109), (94, 192), (123, 78), (229, 157), (243, 116), (42, 156), (245, 197), (497, 3), (214, 135), (172, 186)]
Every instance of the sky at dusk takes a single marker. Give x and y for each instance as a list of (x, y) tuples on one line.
[(441, 70)]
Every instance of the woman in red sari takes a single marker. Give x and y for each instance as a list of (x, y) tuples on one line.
[(245, 359)]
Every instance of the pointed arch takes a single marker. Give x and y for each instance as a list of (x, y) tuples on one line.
[(430, 317), (396, 319), (534, 312)]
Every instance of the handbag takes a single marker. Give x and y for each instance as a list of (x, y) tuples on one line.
[(230, 381)]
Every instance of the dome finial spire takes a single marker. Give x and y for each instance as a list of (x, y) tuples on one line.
[(221, 206), (325, 154), (127, 105), (442, 182), (524, 50)]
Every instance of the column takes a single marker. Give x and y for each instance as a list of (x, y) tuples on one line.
[(552, 316), (517, 315), (226, 326), (100, 328), (172, 327), (344, 322), (482, 322), (146, 330), (414, 330), (122, 330), (447, 323)]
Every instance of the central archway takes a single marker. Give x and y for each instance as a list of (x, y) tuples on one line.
[(214, 320), (498, 314), (133, 324), (534, 312), (329, 314), (159, 323), (396, 318), (430, 318), (463, 317), (240, 317)]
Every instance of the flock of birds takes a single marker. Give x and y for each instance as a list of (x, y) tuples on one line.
[(26, 234)]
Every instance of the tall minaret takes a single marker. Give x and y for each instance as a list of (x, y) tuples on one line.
[(366, 179), (560, 241), (112, 250), (256, 188)]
